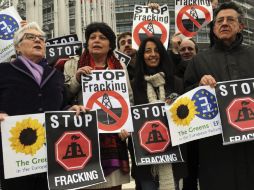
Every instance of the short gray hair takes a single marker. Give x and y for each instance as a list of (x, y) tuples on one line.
[(19, 34)]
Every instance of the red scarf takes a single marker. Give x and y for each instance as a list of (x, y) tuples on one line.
[(87, 60)]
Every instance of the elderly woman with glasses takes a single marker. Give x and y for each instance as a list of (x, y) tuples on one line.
[(28, 85)]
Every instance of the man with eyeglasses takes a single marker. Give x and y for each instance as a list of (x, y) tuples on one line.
[(221, 167), (30, 36), (124, 44)]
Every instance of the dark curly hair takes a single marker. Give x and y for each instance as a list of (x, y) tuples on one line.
[(105, 30)]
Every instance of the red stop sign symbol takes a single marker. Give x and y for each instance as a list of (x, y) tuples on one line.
[(184, 11), (119, 120), (154, 136), (240, 113), (73, 150)]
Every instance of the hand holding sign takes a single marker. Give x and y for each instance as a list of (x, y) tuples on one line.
[(153, 6)]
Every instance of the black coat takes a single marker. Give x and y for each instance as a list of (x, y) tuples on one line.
[(20, 94), (228, 167)]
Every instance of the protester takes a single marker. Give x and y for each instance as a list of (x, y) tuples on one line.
[(101, 41), (70, 69), (181, 58), (124, 45), (224, 167), (153, 82), (71, 66), (27, 86), (186, 49), (173, 49)]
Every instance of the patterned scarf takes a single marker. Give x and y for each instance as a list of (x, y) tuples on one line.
[(114, 153), (87, 60), (155, 87), (155, 92)]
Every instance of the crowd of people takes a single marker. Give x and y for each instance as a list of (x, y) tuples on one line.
[(29, 85)]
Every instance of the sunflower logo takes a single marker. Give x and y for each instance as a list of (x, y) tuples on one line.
[(27, 136), (183, 111)]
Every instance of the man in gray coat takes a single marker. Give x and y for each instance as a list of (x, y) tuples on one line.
[(224, 167)]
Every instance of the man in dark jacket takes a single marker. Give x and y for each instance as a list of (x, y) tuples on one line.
[(224, 167), (188, 170)]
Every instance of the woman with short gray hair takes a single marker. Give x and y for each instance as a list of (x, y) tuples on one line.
[(27, 86)]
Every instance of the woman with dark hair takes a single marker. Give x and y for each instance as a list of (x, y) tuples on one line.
[(154, 69), (101, 41), (153, 82)]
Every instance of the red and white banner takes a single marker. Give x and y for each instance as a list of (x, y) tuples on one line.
[(150, 22), (190, 18), (107, 92)]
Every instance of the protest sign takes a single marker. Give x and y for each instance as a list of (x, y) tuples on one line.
[(24, 145), (60, 51), (107, 92), (9, 23), (236, 104), (190, 17), (150, 22), (194, 115), (151, 138), (124, 59), (62, 40), (73, 150)]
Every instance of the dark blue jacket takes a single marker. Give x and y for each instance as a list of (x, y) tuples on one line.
[(20, 94), (232, 166)]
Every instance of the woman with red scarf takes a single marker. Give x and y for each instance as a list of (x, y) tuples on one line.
[(101, 41)]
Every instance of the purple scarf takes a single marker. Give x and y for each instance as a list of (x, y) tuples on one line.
[(36, 69)]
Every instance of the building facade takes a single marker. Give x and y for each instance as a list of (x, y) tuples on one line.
[(60, 17), (63, 17), (248, 31)]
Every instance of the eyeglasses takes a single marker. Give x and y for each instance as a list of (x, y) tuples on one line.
[(123, 42), (30, 36), (229, 20)]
